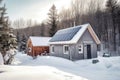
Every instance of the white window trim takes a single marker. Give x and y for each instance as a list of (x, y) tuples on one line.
[(80, 52), (51, 49), (64, 49), (29, 49)]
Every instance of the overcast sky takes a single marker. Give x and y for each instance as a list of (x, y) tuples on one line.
[(32, 9)]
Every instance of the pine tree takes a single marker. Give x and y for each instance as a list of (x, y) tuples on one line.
[(52, 20), (23, 43), (7, 39)]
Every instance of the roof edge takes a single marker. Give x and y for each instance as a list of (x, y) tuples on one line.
[(94, 35)]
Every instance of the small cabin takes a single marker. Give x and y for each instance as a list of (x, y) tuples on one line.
[(37, 45), (75, 43)]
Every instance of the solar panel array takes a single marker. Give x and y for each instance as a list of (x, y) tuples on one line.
[(65, 34)]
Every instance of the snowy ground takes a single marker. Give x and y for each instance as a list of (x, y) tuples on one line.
[(53, 68)]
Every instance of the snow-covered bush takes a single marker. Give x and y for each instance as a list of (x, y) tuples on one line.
[(1, 59), (8, 58)]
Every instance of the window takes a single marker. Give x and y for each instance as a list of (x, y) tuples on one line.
[(65, 49), (52, 49), (29, 49), (80, 49)]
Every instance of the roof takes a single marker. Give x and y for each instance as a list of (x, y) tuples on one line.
[(72, 35), (40, 41), (65, 34)]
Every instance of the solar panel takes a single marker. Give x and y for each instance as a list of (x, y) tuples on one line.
[(65, 34)]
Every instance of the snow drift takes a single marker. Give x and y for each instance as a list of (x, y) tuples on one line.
[(55, 68)]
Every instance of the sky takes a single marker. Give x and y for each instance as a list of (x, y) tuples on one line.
[(32, 9)]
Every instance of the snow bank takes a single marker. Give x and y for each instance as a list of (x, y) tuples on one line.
[(36, 73), (107, 67), (22, 59), (43, 60), (41, 68)]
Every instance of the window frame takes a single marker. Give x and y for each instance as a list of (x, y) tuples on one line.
[(52, 49), (64, 49), (80, 46), (29, 49)]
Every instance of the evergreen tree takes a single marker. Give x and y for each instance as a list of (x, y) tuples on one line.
[(8, 42), (52, 20), (18, 37), (23, 43)]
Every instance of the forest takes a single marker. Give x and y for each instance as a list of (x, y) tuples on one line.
[(103, 15)]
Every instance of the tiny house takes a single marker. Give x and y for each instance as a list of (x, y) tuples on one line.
[(75, 43), (37, 45)]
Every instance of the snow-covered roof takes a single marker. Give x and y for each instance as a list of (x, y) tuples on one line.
[(40, 41), (72, 35)]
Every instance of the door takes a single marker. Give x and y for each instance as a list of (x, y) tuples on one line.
[(88, 51)]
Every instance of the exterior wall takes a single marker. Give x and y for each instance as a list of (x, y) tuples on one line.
[(87, 39), (36, 50), (74, 54), (58, 51)]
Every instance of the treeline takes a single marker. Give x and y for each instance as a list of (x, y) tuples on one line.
[(30, 28), (103, 15)]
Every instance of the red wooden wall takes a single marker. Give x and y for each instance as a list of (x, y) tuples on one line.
[(36, 50)]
